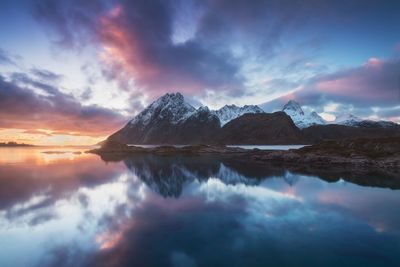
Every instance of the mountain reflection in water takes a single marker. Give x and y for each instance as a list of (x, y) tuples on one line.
[(191, 211)]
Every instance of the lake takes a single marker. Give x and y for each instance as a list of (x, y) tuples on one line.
[(63, 207)]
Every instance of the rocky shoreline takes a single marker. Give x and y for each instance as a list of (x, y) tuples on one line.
[(381, 154)]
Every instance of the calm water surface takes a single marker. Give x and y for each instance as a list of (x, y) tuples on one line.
[(66, 208), (263, 147)]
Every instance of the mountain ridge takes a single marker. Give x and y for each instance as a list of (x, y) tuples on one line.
[(171, 120)]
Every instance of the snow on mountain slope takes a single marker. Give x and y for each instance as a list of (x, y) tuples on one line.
[(171, 107), (346, 119), (301, 119), (230, 112), (351, 120)]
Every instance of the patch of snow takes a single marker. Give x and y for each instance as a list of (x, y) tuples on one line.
[(299, 117), (347, 119), (231, 112)]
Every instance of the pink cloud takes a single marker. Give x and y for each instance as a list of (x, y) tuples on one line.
[(374, 63), (138, 50), (376, 80)]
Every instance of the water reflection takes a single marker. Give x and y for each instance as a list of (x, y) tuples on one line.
[(188, 211)]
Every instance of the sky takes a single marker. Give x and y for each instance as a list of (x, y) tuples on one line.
[(72, 72)]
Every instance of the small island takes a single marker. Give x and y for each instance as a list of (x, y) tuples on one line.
[(14, 144)]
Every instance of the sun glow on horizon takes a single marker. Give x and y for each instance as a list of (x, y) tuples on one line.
[(43, 137)]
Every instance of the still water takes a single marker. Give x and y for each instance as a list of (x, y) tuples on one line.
[(67, 208), (262, 147)]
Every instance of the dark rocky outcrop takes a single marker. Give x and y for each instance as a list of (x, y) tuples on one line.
[(317, 133), (264, 128), (361, 155)]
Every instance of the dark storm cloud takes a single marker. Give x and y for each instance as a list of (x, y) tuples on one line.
[(72, 20), (22, 108)]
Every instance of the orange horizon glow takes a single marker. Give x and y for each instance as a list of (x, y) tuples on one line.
[(43, 137)]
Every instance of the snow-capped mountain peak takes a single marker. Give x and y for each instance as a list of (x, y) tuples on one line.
[(293, 107), (299, 117), (171, 107), (174, 109), (230, 112)]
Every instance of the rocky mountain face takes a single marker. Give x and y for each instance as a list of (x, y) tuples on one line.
[(263, 128), (299, 117)]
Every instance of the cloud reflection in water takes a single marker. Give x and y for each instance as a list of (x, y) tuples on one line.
[(164, 211)]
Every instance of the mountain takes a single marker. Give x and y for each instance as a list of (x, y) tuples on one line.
[(351, 120), (262, 128), (301, 119), (169, 120), (171, 108), (346, 119), (230, 112)]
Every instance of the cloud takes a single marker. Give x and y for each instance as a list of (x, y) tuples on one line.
[(5, 58), (37, 132), (375, 84), (72, 21), (46, 75), (153, 47), (22, 108), (135, 40), (225, 48)]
